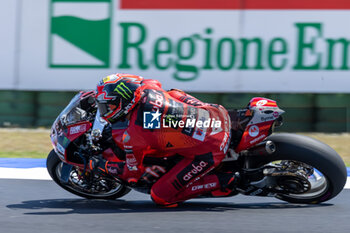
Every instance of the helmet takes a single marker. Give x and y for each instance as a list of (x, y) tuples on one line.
[(117, 95)]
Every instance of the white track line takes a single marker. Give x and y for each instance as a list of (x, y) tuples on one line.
[(38, 173), (347, 185)]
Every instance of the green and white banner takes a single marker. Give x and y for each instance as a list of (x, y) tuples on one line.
[(221, 46), (80, 34), (8, 54)]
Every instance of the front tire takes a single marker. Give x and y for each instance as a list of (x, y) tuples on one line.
[(53, 164)]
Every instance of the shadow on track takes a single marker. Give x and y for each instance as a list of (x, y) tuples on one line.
[(85, 206)]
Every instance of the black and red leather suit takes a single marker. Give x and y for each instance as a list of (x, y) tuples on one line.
[(202, 148)]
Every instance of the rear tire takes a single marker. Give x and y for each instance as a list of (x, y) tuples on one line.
[(316, 154), (52, 163)]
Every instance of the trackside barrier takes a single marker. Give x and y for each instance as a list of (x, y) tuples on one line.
[(304, 112)]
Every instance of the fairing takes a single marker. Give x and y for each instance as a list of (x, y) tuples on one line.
[(68, 126), (264, 113)]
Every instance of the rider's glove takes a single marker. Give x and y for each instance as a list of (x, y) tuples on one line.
[(98, 165), (104, 167)]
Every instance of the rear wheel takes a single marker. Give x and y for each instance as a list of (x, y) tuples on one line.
[(300, 182), (322, 172), (104, 189)]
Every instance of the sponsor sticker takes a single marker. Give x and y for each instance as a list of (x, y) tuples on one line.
[(270, 118), (261, 103), (254, 131), (224, 142), (204, 186), (60, 149), (201, 130), (275, 114), (77, 129), (258, 139), (131, 162), (126, 137), (199, 166), (195, 169)]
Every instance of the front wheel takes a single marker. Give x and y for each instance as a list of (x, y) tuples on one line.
[(327, 172), (105, 189)]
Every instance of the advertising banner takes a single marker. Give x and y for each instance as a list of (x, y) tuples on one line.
[(8, 54), (199, 46)]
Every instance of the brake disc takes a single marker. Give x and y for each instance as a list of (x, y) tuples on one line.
[(293, 182)]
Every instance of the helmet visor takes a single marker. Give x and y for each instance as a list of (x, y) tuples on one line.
[(109, 111)]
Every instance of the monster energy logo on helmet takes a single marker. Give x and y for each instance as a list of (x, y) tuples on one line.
[(123, 90)]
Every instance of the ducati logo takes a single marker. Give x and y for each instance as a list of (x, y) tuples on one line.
[(254, 131)]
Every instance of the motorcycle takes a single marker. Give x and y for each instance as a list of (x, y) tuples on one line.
[(290, 167)]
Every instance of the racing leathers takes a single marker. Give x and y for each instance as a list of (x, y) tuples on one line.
[(168, 123)]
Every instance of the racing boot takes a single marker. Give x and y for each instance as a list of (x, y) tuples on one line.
[(228, 183)]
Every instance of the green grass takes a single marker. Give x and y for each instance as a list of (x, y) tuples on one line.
[(25, 143), (339, 142), (21, 154)]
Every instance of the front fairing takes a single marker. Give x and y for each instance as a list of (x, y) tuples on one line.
[(69, 125)]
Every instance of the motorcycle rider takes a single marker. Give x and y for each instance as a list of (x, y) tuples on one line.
[(163, 124)]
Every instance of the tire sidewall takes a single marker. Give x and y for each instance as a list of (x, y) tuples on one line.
[(53, 161), (316, 154)]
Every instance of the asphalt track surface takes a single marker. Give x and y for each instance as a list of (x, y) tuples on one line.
[(41, 206)]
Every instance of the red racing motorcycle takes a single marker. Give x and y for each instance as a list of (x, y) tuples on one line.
[(290, 167)]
